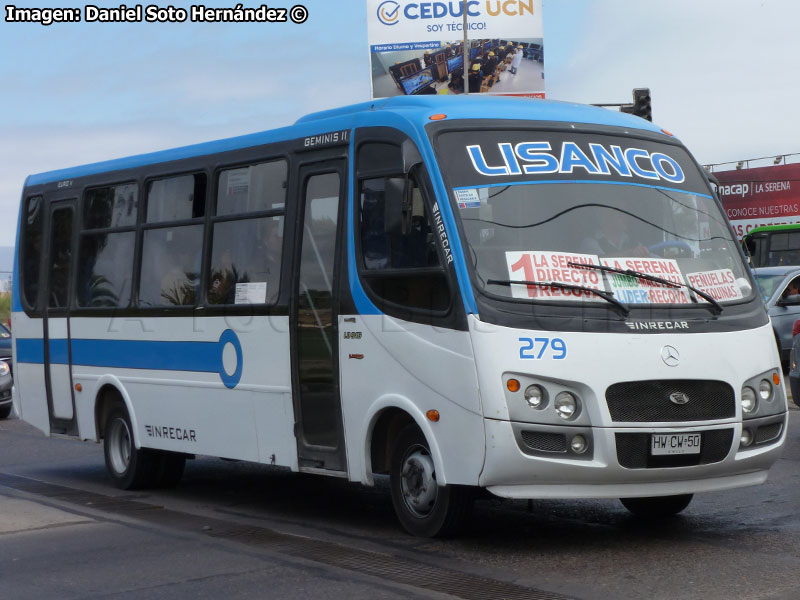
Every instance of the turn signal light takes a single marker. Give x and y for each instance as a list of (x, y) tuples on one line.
[(433, 415), (776, 379), (437, 117), (78, 387), (512, 385)]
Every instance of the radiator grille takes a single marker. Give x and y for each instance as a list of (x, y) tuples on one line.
[(545, 442), (633, 451), (767, 433), (649, 401)]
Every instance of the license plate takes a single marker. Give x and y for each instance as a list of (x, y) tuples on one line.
[(674, 443)]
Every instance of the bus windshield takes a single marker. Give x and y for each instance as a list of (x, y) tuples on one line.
[(773, 246), (589, 211)]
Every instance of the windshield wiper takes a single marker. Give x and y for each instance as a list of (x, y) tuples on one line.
[(717, 307), (564, 286)]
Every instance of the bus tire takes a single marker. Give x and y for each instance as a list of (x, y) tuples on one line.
[(424, 508), (129, 468), (659, 506), (4, 412)]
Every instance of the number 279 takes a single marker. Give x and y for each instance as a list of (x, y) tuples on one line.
[(538, 347)]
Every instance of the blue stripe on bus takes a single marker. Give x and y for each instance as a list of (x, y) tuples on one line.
[(59, 351), (200, 357), (563, 181), (29, 350), (131, 354), (406, 109)]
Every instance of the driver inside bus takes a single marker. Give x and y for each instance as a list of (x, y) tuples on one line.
[(611, 236)]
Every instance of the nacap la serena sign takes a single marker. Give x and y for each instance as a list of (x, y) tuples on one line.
[(760, 196)]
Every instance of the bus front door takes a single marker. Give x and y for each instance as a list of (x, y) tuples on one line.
[(315, 365), (57, 368)]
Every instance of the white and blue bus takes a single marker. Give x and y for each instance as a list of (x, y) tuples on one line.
[(541, 299)]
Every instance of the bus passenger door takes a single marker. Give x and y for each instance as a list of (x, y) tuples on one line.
[(57, 363), (314, 329)]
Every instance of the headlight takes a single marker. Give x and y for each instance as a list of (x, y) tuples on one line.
[(566, 406), (4, 370), (578, 444), (749, 400), (765, 389), (746, 439), (535, 397)]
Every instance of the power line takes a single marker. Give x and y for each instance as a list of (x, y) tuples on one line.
[(776, 159)]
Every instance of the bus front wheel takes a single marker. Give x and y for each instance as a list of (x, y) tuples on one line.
[(659, 506), (423, 507), (130, 468)]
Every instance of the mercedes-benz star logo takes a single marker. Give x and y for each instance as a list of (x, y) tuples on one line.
[(678, 398), (670, 356)]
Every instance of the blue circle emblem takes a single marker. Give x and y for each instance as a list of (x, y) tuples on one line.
[(229, 337), (389, 12)]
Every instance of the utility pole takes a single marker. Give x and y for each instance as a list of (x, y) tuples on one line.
[(465, 46)]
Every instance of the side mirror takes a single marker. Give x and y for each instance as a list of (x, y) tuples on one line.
[(397, 205)]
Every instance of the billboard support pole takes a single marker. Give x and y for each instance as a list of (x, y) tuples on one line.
[(465, 47)]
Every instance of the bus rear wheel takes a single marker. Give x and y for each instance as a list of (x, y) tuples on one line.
[(659, 506), (423, 507), (130, 468)]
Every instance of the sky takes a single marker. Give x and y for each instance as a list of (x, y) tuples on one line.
[(721, 75)]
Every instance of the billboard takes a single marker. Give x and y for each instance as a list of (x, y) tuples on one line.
[(760, 196), (416, 47)]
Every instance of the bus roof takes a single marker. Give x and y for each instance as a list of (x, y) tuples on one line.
[(413, 108), (767, 228)]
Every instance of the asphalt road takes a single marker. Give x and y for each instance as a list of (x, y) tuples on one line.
[(237, 530)]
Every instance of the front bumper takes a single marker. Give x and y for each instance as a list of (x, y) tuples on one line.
[(513, 469)]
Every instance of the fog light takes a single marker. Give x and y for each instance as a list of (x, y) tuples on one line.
[(749, 400), (578, 444), (746, 439), (566, 406), (535, 396), (765, 389)]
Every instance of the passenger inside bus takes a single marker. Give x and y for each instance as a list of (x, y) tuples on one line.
[(246, 255)]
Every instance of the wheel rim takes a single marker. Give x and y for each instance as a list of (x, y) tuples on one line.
[(418, 482), (119, 445)]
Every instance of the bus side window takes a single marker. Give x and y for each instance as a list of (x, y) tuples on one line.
[(400, 264), (107, 246), (32, 249), (247, 235), (171, 254)]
